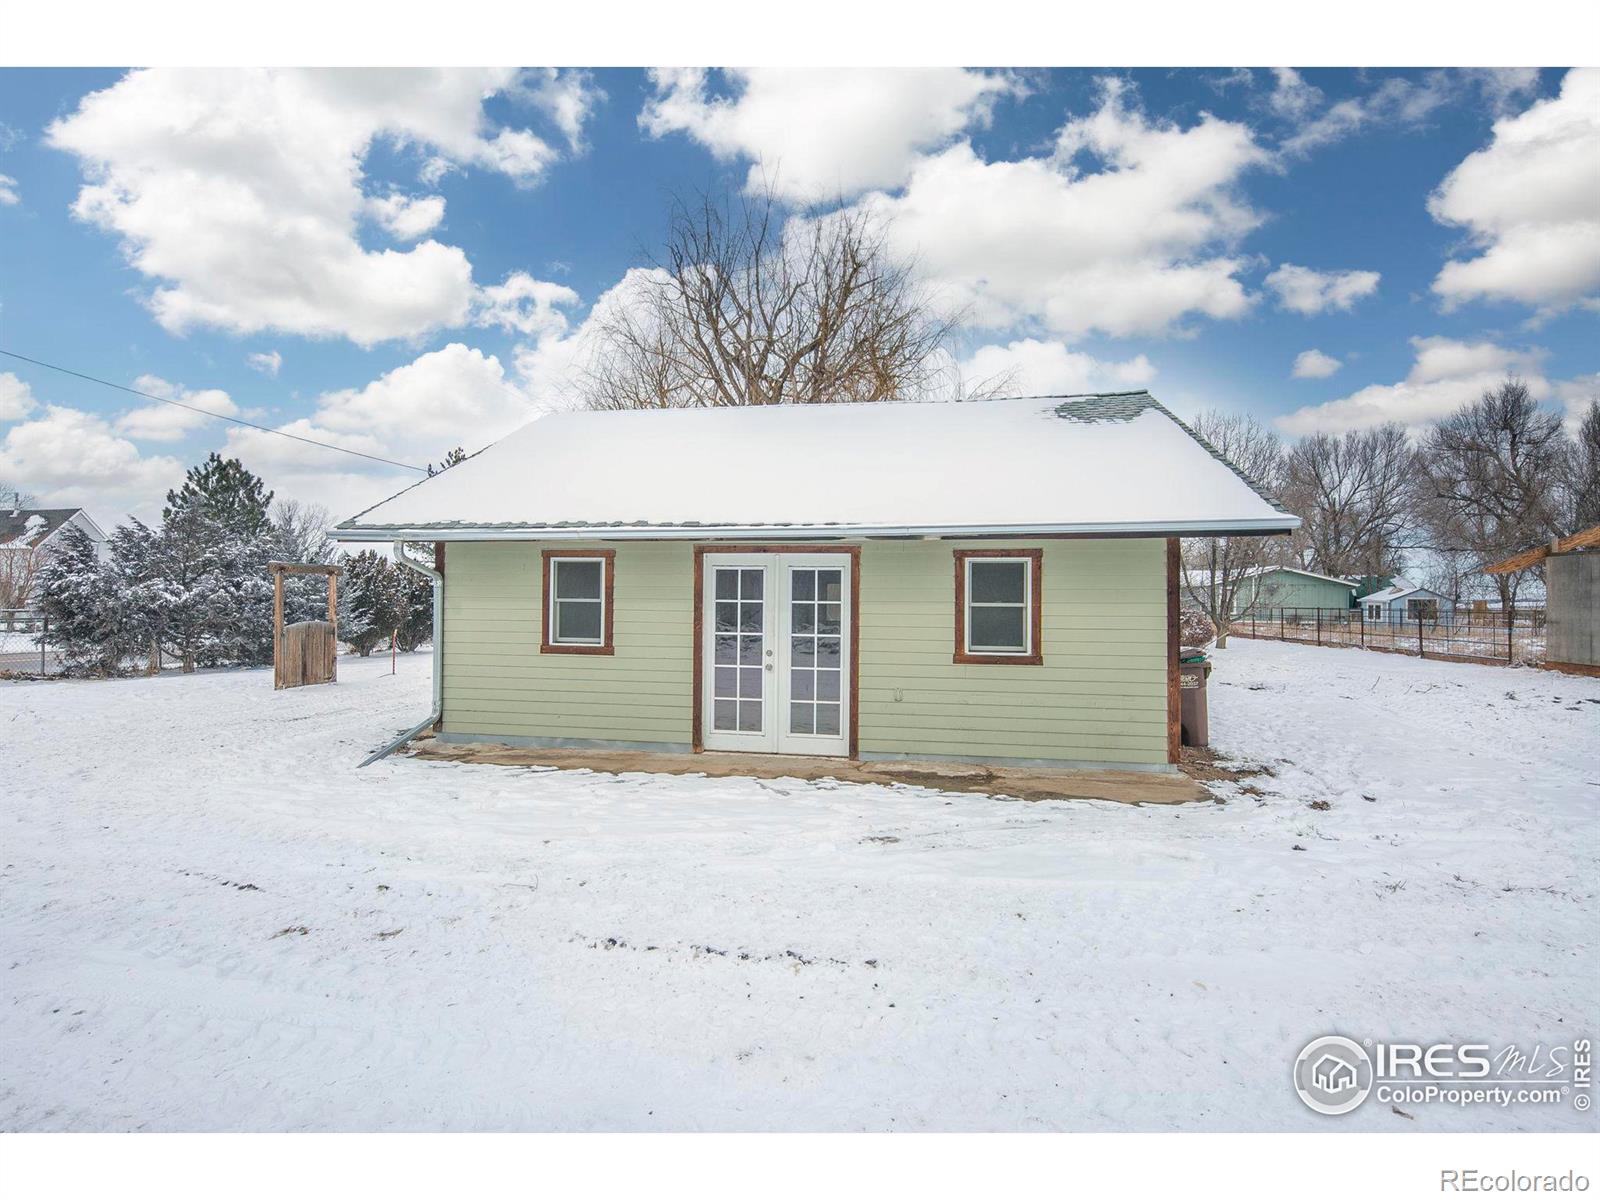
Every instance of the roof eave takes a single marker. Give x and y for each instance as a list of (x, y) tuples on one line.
[(1283, 523)]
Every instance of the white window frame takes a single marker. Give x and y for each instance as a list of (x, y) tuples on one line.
[(1027, 608), (553, 566)]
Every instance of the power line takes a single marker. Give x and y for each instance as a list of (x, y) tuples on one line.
[(293, 437)]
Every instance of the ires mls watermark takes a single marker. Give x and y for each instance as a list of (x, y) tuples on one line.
[(1334, 1075)]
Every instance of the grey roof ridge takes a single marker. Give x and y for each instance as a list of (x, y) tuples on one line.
[(1254, 485)]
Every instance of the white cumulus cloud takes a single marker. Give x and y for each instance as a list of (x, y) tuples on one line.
[(167, 422), (72, 457), (1314, 364), (8, 191), (1303, 290), (16, 397), (268, 362), (818, 134), (406, 217), (526, 305), (1528, 203), (1445, 374), (1126, 229), (239, 194), (1035, 367)]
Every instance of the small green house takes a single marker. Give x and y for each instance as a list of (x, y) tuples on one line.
[(992, 581), (1271, 589)]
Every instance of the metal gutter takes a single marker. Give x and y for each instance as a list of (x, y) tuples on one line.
[(527, 533), (437, 714)]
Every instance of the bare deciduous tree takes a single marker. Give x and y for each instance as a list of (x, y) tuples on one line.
[(1583, 472), (746, 307), (1352, 492), (19, 575), (1489, 479), (1217, 572)]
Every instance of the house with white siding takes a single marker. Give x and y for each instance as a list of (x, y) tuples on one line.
[(993, 581), (1405, 603)]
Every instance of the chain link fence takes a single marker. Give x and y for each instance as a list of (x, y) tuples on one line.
[(1463, 635), (26, 647)]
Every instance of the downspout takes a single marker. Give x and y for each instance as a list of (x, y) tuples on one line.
[(437, 714)]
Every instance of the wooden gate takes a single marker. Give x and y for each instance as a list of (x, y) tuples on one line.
[(308, 651)]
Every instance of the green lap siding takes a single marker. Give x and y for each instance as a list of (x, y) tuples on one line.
[(1100, 695), (1288, 589), (497, 683)]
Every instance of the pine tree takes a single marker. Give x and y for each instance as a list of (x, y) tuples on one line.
[(416, 592), (371, 603), (229, 493), (79, 600)]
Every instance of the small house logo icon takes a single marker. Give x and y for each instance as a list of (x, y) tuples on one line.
[(1333, 1075)]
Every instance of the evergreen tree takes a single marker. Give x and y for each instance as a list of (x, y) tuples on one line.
[(416, 592), (79, 600), (228, 492), (371, 603), (451, 458)]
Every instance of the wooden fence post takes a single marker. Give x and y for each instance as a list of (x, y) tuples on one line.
[(333, 619), (1420, 652), (277, 629), (1319, 627)]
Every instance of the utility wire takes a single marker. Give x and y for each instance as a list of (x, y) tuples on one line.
[(293, 437)]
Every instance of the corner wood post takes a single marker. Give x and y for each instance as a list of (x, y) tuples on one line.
[(333, 619), (277, 629), (1174, 726)]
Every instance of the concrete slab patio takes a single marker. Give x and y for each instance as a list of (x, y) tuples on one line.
[(1021, 783)]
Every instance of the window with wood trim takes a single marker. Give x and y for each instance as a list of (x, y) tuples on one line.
[(999, 603), (579, 586)]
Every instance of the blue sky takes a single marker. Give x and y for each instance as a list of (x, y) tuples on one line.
[(403, 262)]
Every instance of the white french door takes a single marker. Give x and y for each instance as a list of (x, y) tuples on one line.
[(775, 632)]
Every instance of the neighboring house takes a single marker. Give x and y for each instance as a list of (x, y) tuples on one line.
[(26, 535), (1403, 603), (992, 581), (1572, 598), (1271, 588)]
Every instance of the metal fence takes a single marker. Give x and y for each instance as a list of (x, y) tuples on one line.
[(1469, 635), (26, 646)]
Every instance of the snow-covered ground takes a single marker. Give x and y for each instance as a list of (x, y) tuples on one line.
[(210, 920)]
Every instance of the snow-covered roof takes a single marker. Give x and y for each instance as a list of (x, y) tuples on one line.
[(25, 528), (1114, 463), (1401, 589), (1301, 571)]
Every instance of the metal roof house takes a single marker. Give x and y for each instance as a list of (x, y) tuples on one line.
[(1404, 602), (993, 581), (1271, 588)]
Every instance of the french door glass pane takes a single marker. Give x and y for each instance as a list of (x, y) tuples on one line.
[(815, 616), (828, 719), (738, 649)]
